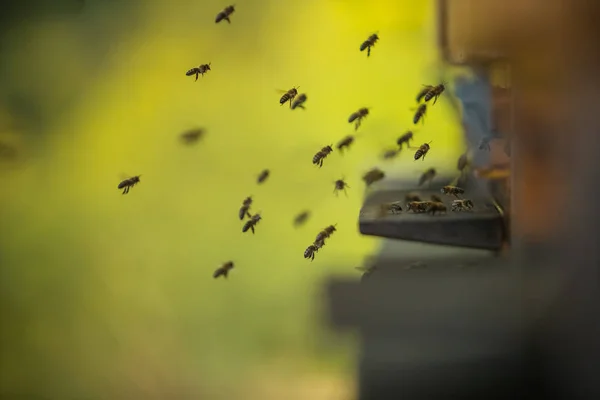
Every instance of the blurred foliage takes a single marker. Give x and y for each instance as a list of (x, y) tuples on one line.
[(107, 296)]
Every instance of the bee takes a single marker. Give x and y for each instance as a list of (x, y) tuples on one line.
[(427, 176), (435, 92), (340, 184), (289, 96), (426, 89), (390, 154), (412, 197), (358, 116), (299, 102), (370, 42), (193, 135), (345, 143), (201, 70), (312, 249), (224, 15), (405, 139), (422, 151), (301, 218), (244, 210), (434, 207), (367, 272), (129, 183), (321, 154), (394, 208), (373, 176), (223, 270), (463, 163), (452, 190), (418, 207), (251, 223), (462, 205), (262, 177), (436, 198), (325, 233), (484, 144), (420, 114)]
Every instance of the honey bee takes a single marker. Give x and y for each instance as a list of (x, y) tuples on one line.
[(426, 89), (312, 249), (325, 233), (301, 218), (422, 151), (484, 144), (463, 162), (462, 205), (192, 135), (390, 154), (373, 176), (224, 15), (452, 191), (394, 208), (420, 114), (340, 184), (412, 197), (345, 143), (370, 42), (321, 154), (358, 116), (244, 210), (200, 70), (263, 176), (367, 272), (435, 92), (418, 207), (434, 207), (436, 198), (299, 102), (251, 223), (427, 176), (289, 96), (223, 270), (129, 183), (405, 139)]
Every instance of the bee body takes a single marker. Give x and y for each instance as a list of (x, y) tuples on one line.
[(405, 139), (340, 184), (390, 154), (373, 176), (394, 208), (434, 207), (129, 183), (224, 15), (436, 198), (313, 249), (325, 234), (426, 89), (345, 143), (427, 176), (435, 92), (462, 205), (245, 209), (370, 42), (419, 207), (223, 270), (251, 223), (321, 155), (288, 96), (420, 114), (299, 102), (358, 116), (452, 190), (412, 197), (200, 70), (193, 135), (262, 177), (422, 151), (301, 218)]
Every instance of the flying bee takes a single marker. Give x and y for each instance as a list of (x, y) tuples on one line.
[(301, 218), (299, 102), (245, 209), (224, 15), (251, 223), (373, 176), (345, 143), (405, 139), (420, 114), (462, 163), (325, 233), (192, 136), (427, 176), (435, 92), (434, 207), (370, 42), (340, 184), (367, 272), (462, 205), (223, 270), (321, 154), (129, 183), (312, 249), (426, 89), (263, 176), (436, 198), (484, 144), (390, 154), (452, 191), (422, 151), (200, 70), (289, 96), (418, 207), (358, 116)]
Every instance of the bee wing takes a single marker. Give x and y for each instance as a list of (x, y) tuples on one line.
[(281, 91)]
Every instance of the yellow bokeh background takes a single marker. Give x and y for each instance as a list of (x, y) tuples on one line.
[(112, 297)]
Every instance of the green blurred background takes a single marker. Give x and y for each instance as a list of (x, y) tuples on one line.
[(107, 296)]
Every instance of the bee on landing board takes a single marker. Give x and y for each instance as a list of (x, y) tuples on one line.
[(340, 184), (358, 116), (223, 270), (373, 176), (405, 139), (289, 95), (370, 42), (245, 209), (452, 191), (312, 249), (435, 92), (321, 155), (426, 89), (224, 15), (301, 218), (251, 223), (345, 143), (129, 183), (418, 207), (200, 70), (422, 151), (462, 205), (262, 177), (393, 208), (299, 101), (436, 207), (192, 136), (427, 176), (420, 114)]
